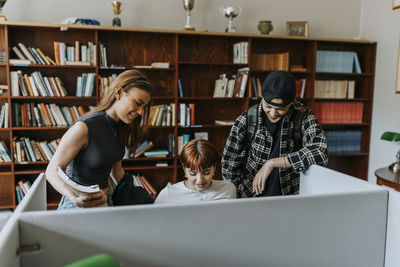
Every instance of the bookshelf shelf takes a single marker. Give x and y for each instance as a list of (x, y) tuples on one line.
[(197, 60), (53, 66), (212, 64)]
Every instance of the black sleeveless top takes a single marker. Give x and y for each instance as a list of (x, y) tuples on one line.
[(93, 163)]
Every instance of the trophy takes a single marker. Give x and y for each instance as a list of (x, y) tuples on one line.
[(230, 12), (188, 5), (117, 9), (2, 3)]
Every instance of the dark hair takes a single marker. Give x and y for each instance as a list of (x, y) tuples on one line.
[(131, 134), (199, 155)]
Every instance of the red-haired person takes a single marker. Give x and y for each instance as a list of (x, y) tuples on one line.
[(199, 161)]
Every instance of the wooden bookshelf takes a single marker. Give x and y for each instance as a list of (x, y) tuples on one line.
[(197, 59)]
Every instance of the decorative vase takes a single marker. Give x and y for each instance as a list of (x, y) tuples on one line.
[(265, 26)]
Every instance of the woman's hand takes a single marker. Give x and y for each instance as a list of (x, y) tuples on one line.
[(261, 177), (89, 202)]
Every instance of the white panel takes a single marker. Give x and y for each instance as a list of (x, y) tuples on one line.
[(319, 180), (332, 230), (35, 199), (392, 258), (9, 242)]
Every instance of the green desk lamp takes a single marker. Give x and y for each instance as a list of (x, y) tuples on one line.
[(393, 137)]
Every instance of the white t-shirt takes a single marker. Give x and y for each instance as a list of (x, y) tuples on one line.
[(175, 193)]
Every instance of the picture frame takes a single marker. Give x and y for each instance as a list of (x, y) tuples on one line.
[(397, 89), (298, 28), (396, 4)]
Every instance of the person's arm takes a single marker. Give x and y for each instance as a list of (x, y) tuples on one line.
[(315, 146), (71, 143), (162, 196), (233, 158), (117, 172), (262, 175)]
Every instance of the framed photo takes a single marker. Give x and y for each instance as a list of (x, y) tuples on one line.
[(396, 4), (297, 28)]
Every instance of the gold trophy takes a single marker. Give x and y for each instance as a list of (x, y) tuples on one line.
[(2, 17), (188, 5), (117, 9)]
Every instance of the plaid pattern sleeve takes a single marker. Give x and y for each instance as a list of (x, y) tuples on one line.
[(315, 146), (234, 151)]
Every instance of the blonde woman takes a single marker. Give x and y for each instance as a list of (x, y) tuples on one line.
[(94, 146)]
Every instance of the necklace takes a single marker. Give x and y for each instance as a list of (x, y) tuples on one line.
[(113, 129)]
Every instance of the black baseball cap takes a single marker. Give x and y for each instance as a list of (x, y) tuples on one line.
[(279, 84)]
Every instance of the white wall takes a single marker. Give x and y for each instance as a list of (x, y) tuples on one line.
[(327, 18), (380, 23)]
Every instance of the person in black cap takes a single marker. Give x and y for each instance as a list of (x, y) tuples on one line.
[(261, 157)]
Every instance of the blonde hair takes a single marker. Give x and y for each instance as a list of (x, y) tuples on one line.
[(132, 134)]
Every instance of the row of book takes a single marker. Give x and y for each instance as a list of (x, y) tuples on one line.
[(21, 189), (334, 89), (105, 83), (4, 115), (240, 53), (269, 62), (4, 152), (41, 114), (36, 85), (85, 84), (185, 138), (186, 114), (344, 141), (145, 149), (163, 115), (3, 56), (233, 87), (337, 61), (77, 54), (30, 55), (26, 150), (339, 112)]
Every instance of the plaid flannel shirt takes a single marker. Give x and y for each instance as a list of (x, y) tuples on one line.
[(240, 166)]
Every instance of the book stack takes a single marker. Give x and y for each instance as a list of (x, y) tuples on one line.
[(30, 55), (41, 114), (144, 146), (105, 83), (4, 152), (162, 115), (334, 89), (344, 141), (26, 150), (339, 112), (36, 85), (156, 153), (85, 84), (80, 55), (240, 53), (4, 115), (21, 189), (269, 62), (186, 114), (337, 61), (3, 57)]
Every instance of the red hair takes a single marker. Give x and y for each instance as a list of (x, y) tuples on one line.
[(199, 155)]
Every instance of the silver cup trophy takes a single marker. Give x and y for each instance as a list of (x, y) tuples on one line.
[(230, 12), (188, 5)]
